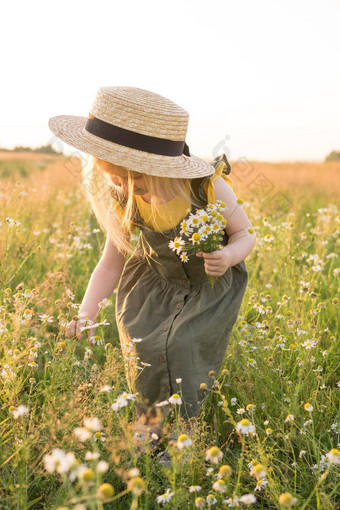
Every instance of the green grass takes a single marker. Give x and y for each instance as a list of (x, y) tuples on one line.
[(267, 369)]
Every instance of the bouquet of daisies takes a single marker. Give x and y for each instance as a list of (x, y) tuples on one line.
[(203, 232)]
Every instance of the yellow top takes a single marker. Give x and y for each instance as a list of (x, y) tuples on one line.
[(172, 212)]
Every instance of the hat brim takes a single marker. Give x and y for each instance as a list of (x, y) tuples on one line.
[(71, 130)]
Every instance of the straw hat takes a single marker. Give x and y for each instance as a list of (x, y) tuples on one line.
[(134, 128)]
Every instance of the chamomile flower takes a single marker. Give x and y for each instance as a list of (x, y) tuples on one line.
[(162, 404), (211, 500), (333, 456), (248, 499), (215, 227), (184, 256), (199, 502), (196, 238), (258, 471), (195, 488), (205, 230), (220, 486), (136, 485), (308, 407), (185, 229), (194, 220), (119, 403), (245, 427), (220, 205), (287, 500), (225, 471), (203, 215), (183, 441), (45, 318), (176, 244), (164, 498), (175, 399), (21, 410), (260, 484), (214, 455)]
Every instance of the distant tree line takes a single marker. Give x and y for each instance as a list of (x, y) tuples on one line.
[(44, 149), (333, 156)]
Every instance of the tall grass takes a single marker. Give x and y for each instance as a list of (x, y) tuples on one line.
[(283, 355)]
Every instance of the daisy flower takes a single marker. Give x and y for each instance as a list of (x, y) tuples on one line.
[(195, 488), (58, 461), (102, 466), (220, 486), (119, 403), (93, 424), (185, 229), (287, 500), (175, 399), (248, 499), (211, 500), (333, 456), (258, 471), (21, 410), (136, 485), (214, 455), (215, 227), (308, 407), (202, 215), (260, 484), (245, 427), (184, 256), (82, 434), (199, 502), (232, 502), (164, 498), (176, 244), (107, 388), (194, 220), (225, 471), (162, 404), (195, 238), (183, 441), (46, 318), (309, 344)]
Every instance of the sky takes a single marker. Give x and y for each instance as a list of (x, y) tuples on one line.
[(260, 80)]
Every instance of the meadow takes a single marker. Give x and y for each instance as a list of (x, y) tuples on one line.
[(269, 431)]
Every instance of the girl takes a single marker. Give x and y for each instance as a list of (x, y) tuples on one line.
[(139, 173)]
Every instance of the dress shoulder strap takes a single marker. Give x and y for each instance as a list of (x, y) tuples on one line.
[(203, 188)]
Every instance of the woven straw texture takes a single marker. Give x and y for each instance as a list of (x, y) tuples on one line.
[(141, 111)]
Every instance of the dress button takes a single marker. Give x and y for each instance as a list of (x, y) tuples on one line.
[(178, 305), (161, 359), (185, 282), (165, 328), (167, 387), (177, 264)]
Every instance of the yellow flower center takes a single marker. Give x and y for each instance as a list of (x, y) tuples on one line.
[(245, 422)]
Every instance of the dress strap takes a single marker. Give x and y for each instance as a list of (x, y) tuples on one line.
[(206, 190)]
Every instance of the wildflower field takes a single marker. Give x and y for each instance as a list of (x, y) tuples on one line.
[(268, 436)]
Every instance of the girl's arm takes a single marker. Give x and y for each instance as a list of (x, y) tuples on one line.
[(103, 280)]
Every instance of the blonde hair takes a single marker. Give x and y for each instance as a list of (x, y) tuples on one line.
[(114, 211)]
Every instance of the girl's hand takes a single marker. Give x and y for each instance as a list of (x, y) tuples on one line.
[(217, 262), (73, 328)]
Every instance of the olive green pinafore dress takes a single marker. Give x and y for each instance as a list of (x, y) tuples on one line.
[(184, 324)]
